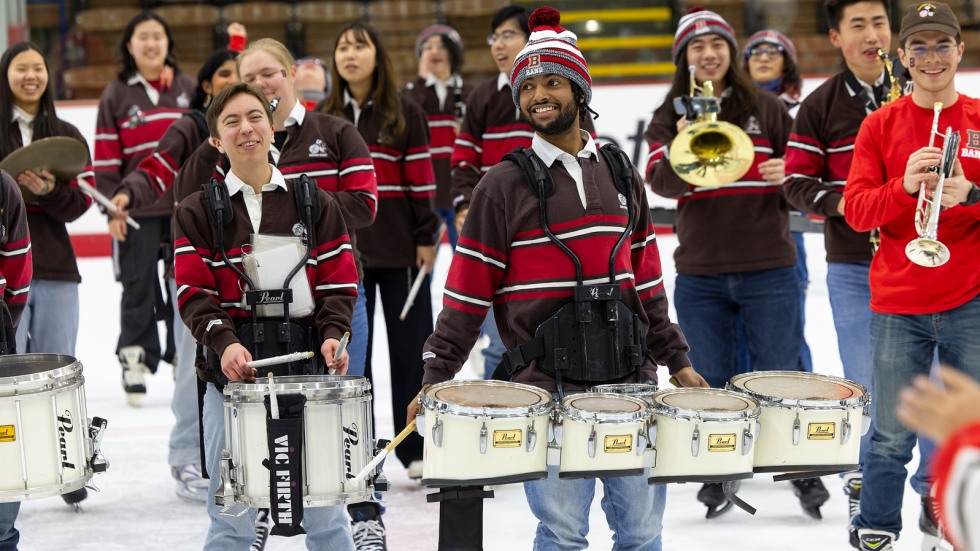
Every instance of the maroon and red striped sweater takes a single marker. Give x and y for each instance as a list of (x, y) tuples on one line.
[(16, 266)]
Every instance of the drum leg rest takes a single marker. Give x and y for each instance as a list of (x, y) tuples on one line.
[(460, 517), (601, 474), (512, 479), (703, 479), (811, 472)]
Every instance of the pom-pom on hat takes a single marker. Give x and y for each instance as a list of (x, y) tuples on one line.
[(697, 22), (550, 50), (452, 36), (929, 16), (770, 36)]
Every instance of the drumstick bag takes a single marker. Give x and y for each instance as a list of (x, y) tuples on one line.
[(285, 456)]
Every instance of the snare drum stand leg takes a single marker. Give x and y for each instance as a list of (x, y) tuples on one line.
[(460, 517)]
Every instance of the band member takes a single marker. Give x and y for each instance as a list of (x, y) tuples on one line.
[(818, 156), (502, 259), (134, 112), (735, 254), (312, 81), (15, 271), (210, 288), (440, 91), (948, 411), (917, 310)]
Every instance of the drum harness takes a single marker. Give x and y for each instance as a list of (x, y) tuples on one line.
[(595, 337), (266, 338)]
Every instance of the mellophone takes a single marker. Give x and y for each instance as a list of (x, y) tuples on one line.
[(493, 432), (48, 444)]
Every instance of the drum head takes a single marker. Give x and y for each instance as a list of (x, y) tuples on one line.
[(705, 401), (811, 387), (599, 403), (480, 394)]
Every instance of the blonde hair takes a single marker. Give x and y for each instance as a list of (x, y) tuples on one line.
[(272, 47)]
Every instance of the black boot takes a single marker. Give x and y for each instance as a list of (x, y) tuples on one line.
[(713, 495), (75, 498), (812, 494)]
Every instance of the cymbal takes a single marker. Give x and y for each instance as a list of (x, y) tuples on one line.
[(62, 156)]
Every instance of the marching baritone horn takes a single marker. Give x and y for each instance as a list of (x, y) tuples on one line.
[(709, 152), (927, 250)]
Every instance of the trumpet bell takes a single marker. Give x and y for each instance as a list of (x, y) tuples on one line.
[(711, 153), (928, 253)]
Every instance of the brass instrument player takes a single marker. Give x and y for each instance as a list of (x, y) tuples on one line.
[(916, 311), (735, 253)]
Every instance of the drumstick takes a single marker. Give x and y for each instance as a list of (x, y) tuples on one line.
[(105, 202), (284, 359), (340, 351), (378, 458), (417, 284), (273, 401)]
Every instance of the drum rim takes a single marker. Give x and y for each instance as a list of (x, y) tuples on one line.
[(767, 400), (428, 401), (620, 388), (314, 387), (67, 375), (605, 417), (684, 413)]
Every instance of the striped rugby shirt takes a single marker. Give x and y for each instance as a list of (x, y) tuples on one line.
[(818, 157), (739, 227), (132, 118), (209, 293), (16, 266), (504, 259)]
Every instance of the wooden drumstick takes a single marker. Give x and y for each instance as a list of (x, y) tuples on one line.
[(273, 401), (384, 453), (417, 284), (275, 360)]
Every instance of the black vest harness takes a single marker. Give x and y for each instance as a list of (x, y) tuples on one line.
[(595, 337), (268, 337)]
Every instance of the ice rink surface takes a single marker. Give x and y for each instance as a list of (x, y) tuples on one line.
[(137, 508)]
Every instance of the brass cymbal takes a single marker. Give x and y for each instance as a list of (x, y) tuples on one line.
[(62, 156)]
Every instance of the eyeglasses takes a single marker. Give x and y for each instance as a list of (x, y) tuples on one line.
[(942, 50), (771, 51), (506, 36)]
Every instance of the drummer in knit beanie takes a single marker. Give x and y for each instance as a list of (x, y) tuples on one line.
[(770, 59)]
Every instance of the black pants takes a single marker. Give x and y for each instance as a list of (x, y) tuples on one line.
[(142, 303), (405, 340)]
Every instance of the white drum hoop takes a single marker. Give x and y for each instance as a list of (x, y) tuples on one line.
[(540, 400), (316, 388), (859, 399), (38, 373), (644, 391), (570, 411), (752, 409)]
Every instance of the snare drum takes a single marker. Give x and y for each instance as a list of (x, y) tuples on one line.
[(338, 440), (810, 422), (48, 446), (703, 435), (602, 435), (484, 432)]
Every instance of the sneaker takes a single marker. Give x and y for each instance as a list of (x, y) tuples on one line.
[(933, 538), (366, 527), (263, 524), (876, 540), (812, 494), (191, 484), (134, 369), (415, 469)]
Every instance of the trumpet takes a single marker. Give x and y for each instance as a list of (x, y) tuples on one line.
[(927, 250), (709, 152)]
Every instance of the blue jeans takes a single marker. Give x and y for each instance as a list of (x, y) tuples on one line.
[(9, 536), (326, 527), (634, 511), (494, 352), (185, 439), (768, 301), (448, 216), (903, 347), (357, 347), (49, 324), (850, 304)]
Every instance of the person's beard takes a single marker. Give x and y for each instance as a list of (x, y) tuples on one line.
[(564, 121)]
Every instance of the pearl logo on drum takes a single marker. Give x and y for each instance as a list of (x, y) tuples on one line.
[(351, 440), (8, 433), (65, 427), (721, 442), (507, 438), (618, 443), (820, 431)]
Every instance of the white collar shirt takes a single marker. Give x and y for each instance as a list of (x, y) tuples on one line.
[(253, 201), (550, 153)]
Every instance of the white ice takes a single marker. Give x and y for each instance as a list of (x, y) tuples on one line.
[(137, 508)]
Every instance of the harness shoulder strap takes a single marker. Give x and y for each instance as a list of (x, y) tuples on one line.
[(538, 177), (219, 203), (621, 166), (307, 196)]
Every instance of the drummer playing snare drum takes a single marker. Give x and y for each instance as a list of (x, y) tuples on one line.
[(210, 292)]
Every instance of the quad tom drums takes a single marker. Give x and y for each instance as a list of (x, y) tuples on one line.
[(48, 445), (703, 435), (338, 440), (810, 422), (483, 432)]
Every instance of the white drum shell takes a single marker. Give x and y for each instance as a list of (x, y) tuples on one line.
[(338, 440), (458, 458), (722, 450), (44, 428), (775, 451), (616, 441)]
